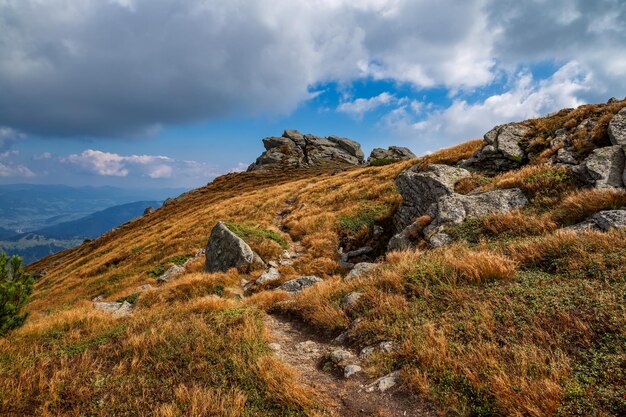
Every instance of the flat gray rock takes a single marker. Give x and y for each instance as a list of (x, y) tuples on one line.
[(300, 283), (271, 274), (384, 383), (604, 168), (360, 269)]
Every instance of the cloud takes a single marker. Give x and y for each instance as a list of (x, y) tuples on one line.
[(462, 120), (127, 67), (150, 166), (358, 107), (8, 137)]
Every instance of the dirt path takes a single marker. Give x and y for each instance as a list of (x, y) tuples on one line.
[(304, 352)]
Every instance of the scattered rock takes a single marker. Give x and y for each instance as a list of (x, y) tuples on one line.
[(168, 201), (98, 298), (171, 273), (226, 250), (272, 274), (617, 128), (296, 150), (603, 220), (563, 156), (360, 269), (384, 383), (145, 287), (340, 356), (384, 347), (351, 370), (308, 346), (393, 153), (114, 308), (420, 190), (300, 283), (351, 300), (149, 210), (358, 252), (604, 168)]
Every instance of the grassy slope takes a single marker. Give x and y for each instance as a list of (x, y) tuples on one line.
[(515, 318)]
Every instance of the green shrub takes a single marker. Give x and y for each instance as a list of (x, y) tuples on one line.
[(15, 287), (366, 216), (252, 233)]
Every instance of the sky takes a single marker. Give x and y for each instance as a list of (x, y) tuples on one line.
[(171, 93)]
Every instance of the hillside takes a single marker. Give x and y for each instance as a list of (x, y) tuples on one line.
[(513, 310)]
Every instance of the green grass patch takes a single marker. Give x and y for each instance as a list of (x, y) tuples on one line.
[(132, 298), (379, 162), (252, 233), (366, 216)]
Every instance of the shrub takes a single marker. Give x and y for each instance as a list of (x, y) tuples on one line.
[(15, 288), (379, 162)]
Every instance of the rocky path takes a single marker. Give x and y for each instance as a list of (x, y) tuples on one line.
[(347, 397)]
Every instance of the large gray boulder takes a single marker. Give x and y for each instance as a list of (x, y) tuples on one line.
[(604, 168), (420, 190), (393, 153), (502, 151), (226, 250), (295, 150), (617, 128)]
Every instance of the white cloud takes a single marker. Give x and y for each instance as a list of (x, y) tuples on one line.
[(358, 107), (15, 170), (462, 120), (151, 166)]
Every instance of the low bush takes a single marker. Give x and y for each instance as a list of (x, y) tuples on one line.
[(15, 288)]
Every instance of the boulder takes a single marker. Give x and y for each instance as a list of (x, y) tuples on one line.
[(300, 283), (383, 347), (502, 150), (420, 190), (360, 269), (603, 220), (393, 153), (340, 356), (604, 168), (226, 250), (295, 150), (617, 128), (149, 210), (271, 274)]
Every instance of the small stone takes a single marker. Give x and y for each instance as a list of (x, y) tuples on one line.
[(339, 356), (272, 274), (300, 283), (350, 370), (360, 269), (145, 287), (308, 346), (384, 383), (171, 273), (274, 346)]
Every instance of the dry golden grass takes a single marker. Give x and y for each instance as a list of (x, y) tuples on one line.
[(502, 325)]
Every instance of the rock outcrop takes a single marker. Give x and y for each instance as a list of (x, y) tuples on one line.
[(116, 309), (420, 189), (604, 168), (296, 150), (431, 193), (502, 150), (226, 250), (393, 153)]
